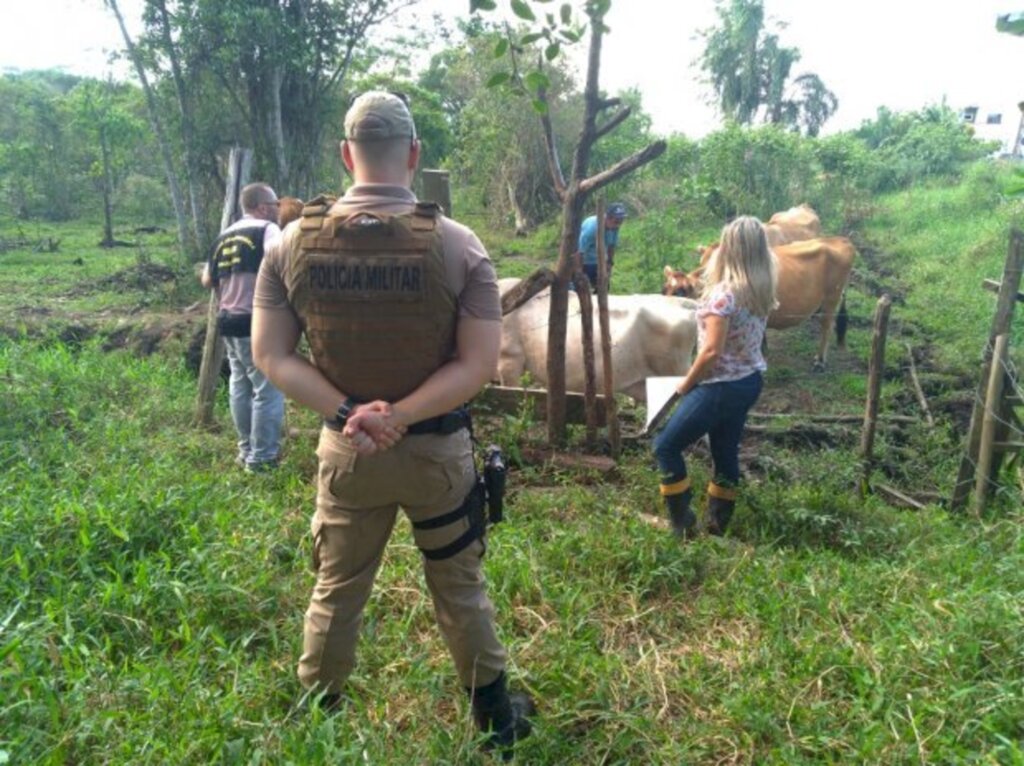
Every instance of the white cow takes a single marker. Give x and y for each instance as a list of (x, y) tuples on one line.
[(652, 335)]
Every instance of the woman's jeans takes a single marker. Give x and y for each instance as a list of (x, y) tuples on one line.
[(257, 408), (718, 410)]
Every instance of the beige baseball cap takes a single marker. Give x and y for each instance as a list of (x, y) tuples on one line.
[(378, 116)]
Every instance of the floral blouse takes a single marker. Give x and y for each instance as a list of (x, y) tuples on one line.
[(742, 353)]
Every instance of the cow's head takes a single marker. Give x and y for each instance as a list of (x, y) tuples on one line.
[(290, 210), (681, 284)]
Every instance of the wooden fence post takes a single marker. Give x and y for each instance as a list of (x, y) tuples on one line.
[(611, 412), (1000, 325), (876, 368), (437, 189), (582, 285), (989, 421), (239, 164)]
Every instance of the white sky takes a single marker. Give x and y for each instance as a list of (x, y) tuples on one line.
[(899, 53)]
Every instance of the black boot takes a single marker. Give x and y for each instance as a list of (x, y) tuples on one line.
[(677, 498), (721, 502), (502, 715)]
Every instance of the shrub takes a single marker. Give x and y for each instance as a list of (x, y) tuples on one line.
[(755, 171)]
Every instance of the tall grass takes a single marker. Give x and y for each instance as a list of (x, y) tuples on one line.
[(153, 596)]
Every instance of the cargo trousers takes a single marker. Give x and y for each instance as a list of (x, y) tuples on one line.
[(358, 497)]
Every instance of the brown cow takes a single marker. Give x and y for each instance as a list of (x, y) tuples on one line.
[(290, 210), (812, 275)]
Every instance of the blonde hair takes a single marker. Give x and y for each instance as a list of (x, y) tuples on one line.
[(744, 261)]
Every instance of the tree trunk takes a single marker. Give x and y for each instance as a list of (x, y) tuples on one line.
[(158, 130), (187, 132), (108, 190), (275, 127)]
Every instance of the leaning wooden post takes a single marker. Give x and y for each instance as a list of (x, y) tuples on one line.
[(239, 164), (990, 420), (582, 284), (1000, 325), (876, 367), (611, 414), (539, 280)]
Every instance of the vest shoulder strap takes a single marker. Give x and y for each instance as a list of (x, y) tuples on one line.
[(314, 211), (425, 216)]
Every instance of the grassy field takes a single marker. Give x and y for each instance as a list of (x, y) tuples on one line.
[(152, 595)]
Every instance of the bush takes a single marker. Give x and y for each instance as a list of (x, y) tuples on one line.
[(849, 171), (916, 145), (755, 171)]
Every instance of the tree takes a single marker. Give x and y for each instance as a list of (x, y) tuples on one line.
[(100, 112), (282, 65), (573, 190), (36, 168), (499, 148), (156, 122), (749, 72)]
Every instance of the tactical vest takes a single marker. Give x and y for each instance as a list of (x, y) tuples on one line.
[(238, 250), (371, 294)]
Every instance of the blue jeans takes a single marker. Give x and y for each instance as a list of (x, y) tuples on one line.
[(718, 410), (257, 408), (590, 269)]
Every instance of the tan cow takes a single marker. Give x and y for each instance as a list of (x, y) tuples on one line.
[(813, 275), (651, 335), (793, 225)]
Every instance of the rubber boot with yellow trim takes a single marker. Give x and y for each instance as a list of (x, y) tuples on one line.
[(721, 502), (677, 496)]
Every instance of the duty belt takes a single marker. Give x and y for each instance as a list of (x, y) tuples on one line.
[(448, 423)]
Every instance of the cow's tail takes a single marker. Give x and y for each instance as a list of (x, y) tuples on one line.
[(842, 322)]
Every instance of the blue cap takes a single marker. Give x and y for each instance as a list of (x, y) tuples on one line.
[(616, 210)]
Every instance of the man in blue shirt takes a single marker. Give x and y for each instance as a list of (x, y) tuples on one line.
[(613, 219)]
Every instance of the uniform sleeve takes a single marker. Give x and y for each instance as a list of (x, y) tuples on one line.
[(479, 297), (721, 302), (271, 292)]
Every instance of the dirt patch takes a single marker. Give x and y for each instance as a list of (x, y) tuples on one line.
[(141, 276), (878, 278)]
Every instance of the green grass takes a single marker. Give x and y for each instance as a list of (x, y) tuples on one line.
[(938, 244), (82, 278), (152, 596)]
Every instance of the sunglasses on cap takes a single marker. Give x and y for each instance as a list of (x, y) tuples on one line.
[(403, 97)]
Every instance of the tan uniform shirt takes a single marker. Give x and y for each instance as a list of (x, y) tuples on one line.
[(469, 270)]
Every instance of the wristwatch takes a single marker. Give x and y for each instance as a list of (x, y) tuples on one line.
[(344, 410)]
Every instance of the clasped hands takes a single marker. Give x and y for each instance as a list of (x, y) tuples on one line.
[(372, 427)]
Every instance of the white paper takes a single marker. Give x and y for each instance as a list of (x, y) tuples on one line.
[(659, 391)]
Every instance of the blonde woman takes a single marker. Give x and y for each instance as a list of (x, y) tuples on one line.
[(725, 379)]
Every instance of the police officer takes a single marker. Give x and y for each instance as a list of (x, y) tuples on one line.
[(613, 218), (257, 408), (400, 308)]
